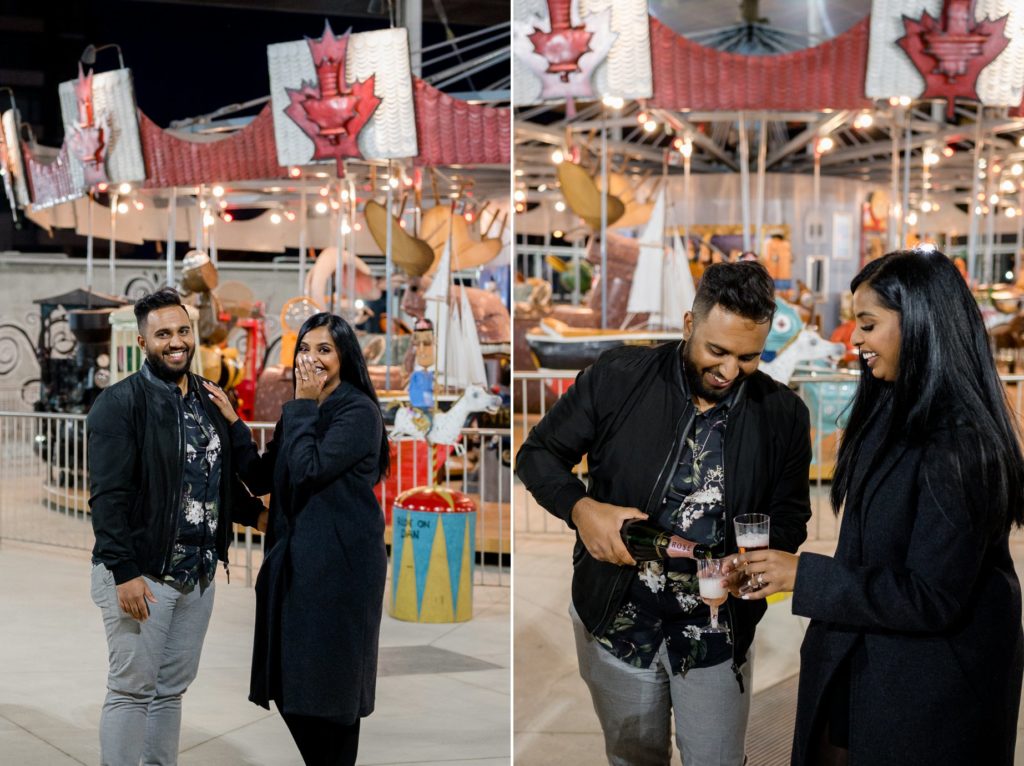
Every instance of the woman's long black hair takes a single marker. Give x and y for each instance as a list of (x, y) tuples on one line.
[(946, 374), (353, 367)]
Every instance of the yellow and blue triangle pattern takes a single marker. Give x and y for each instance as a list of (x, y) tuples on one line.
[(432, 556)]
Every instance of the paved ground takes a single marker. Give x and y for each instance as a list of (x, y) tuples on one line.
[(443, 696)]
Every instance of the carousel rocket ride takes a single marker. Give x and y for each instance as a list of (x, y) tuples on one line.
[(333, 166)]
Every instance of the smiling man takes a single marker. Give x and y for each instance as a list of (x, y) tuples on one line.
[(688, 436), (163, 498)]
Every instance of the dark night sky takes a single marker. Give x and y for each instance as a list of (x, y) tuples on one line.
[(186, 60)]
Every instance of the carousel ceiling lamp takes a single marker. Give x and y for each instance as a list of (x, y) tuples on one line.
[(863, 120), (560, 206), (1007, 187), (227, 217), (124, 188), (138, 205), (997, 169), (994, 199), (320, 207), (542, 188), (1020, 141), (520, 172), (207, 219), (1011, 212), (345, 228), (519, 196), (275, 218), (324, 191), (613, 102), (1016, 169), (824, 144), (344, 195), (223, 204), (294, 172), (642, 117), (948, 152), (650, 126), (978, 209), (926, 206), (289, 215), (558, 234), (930, 157), (218, 191), (558, 157), (102, 187), (122, 207), (335, 205), (202, 204), (912, 218), (358, 227), (393, 182)]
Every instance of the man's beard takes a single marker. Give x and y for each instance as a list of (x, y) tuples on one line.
[(163, 371), (695, 380)]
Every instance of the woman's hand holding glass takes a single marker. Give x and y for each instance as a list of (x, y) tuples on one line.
[(769, 571)]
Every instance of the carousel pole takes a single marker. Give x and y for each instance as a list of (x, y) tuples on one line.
[(762, 156), (349, 196), (302, 240), (745, 180), (1020, 232), (339, 260), (687, 194), (972, 203), (905, 199), (990, 185), (894, 180), (604, 221), (389, 266), (172, 220), (113, 240), (89, 247)]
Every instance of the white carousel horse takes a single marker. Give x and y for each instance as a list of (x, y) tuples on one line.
[(446, 427), (807, 346)]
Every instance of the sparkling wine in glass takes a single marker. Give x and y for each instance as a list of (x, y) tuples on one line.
[(751, 535), (712, 592)]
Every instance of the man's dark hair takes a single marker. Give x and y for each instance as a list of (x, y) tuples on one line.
[(145, 305), (744, 288)]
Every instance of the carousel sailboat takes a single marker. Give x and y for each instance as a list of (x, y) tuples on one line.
[(662, 288)]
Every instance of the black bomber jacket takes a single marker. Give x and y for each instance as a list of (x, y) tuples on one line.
[(136, 441), (629, 415)]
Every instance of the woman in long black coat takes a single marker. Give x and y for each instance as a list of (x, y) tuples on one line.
[(320, 589), (914, 651)]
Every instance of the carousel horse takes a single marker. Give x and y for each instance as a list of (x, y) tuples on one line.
[(807, 346), (790, 343), (445, 427)]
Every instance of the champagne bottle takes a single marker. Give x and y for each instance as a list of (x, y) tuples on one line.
[(646, 542)]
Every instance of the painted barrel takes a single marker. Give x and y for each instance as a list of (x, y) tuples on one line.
[(433, 547)]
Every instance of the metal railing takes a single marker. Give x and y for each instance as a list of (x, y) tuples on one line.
[(44, 489), (534, 392)]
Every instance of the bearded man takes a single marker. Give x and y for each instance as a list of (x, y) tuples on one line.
[(163, 498), (687, 436)]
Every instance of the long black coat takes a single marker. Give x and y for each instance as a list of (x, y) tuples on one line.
[(320, 591), (927, 609)]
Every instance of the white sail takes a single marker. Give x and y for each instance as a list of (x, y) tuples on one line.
[(645, 292), (678, 290), (460, 361)]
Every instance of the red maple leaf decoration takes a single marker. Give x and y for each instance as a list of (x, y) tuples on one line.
[(950, 53), (564, 44), (87, 139), (332, 112)]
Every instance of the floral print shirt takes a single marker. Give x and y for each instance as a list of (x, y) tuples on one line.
[(194, 558), (663, 601)]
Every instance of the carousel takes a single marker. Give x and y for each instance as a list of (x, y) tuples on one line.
[(646, 150), (393, 194)]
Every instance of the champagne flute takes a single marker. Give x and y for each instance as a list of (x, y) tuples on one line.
[(712, 592), (752, 534)]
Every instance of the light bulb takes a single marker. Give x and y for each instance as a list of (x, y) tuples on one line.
[(275, 218), (560, 206), (218, 191)]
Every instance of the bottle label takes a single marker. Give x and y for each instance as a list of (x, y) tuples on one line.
[(678, 548)]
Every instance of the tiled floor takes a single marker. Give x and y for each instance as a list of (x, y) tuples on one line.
[(442, 695), (554, 720)]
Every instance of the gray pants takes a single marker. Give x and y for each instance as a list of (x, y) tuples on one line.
[(635, 707), (151, 665)]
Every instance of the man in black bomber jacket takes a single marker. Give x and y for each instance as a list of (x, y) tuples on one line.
[(163, 498), (688, 436)]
